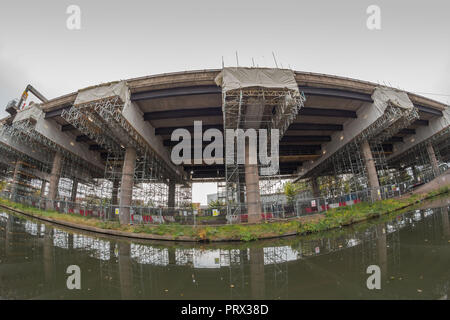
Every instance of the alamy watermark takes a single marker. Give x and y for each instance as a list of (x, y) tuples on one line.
[(236, 151), (374, 280), (373, 21), (73, 22), (74, 278)]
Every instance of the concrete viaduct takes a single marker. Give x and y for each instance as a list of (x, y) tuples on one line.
[(136, 117)]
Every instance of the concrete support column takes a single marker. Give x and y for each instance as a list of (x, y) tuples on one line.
[(15, 180), (171, 198), (372, 176), (43, 185), (115, 192), (315, 187), (73, 195), (414, 172), (433, 160), (126, 187), (172, 256), (241, 195), (54, 178), (252, 189)]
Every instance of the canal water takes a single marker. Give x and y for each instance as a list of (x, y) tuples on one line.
[(412, 250)]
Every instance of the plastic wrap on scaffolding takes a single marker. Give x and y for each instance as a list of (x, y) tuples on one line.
[(275, 90), (102, 92), (399, 112), (240, 78), (384, 96)]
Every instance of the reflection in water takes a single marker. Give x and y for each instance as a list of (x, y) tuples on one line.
[(47, 249), (125, 270), (382, 250), (411, 250), (445, 225), (257, 261)]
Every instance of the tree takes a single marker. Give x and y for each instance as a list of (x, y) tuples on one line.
[(215, 204), (2, 185), (290, 191)]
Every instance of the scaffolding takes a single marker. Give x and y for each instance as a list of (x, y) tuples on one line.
[(23, 132), (183, 195), (416, 161), (277, 100), (345, 171), (24, 174), (102, 121)]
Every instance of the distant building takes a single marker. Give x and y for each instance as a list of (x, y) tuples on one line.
[(211, 197)]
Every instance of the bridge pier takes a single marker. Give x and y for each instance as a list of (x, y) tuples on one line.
[(43, 185), (73, 195), (252, 189), (126, 187), (54, 179), (315, 187), (171, 197), (433, 160), (371, 170)]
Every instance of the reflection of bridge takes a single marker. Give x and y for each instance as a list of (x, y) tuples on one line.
[(111, 143), (242, 268)]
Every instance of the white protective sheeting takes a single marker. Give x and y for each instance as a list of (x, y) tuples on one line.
[(102, 92), (239, 78), (130, 112), (382, 97)]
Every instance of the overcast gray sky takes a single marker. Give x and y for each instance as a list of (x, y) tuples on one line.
[(125, 39)]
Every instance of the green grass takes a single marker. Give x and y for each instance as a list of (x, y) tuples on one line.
[(334, 218)]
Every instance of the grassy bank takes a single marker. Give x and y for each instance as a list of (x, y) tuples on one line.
[(334, 218)]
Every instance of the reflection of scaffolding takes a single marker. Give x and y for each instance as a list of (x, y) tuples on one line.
[(276, 259), (393, 249), (184, 257), (150, 255), (237, 275)]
